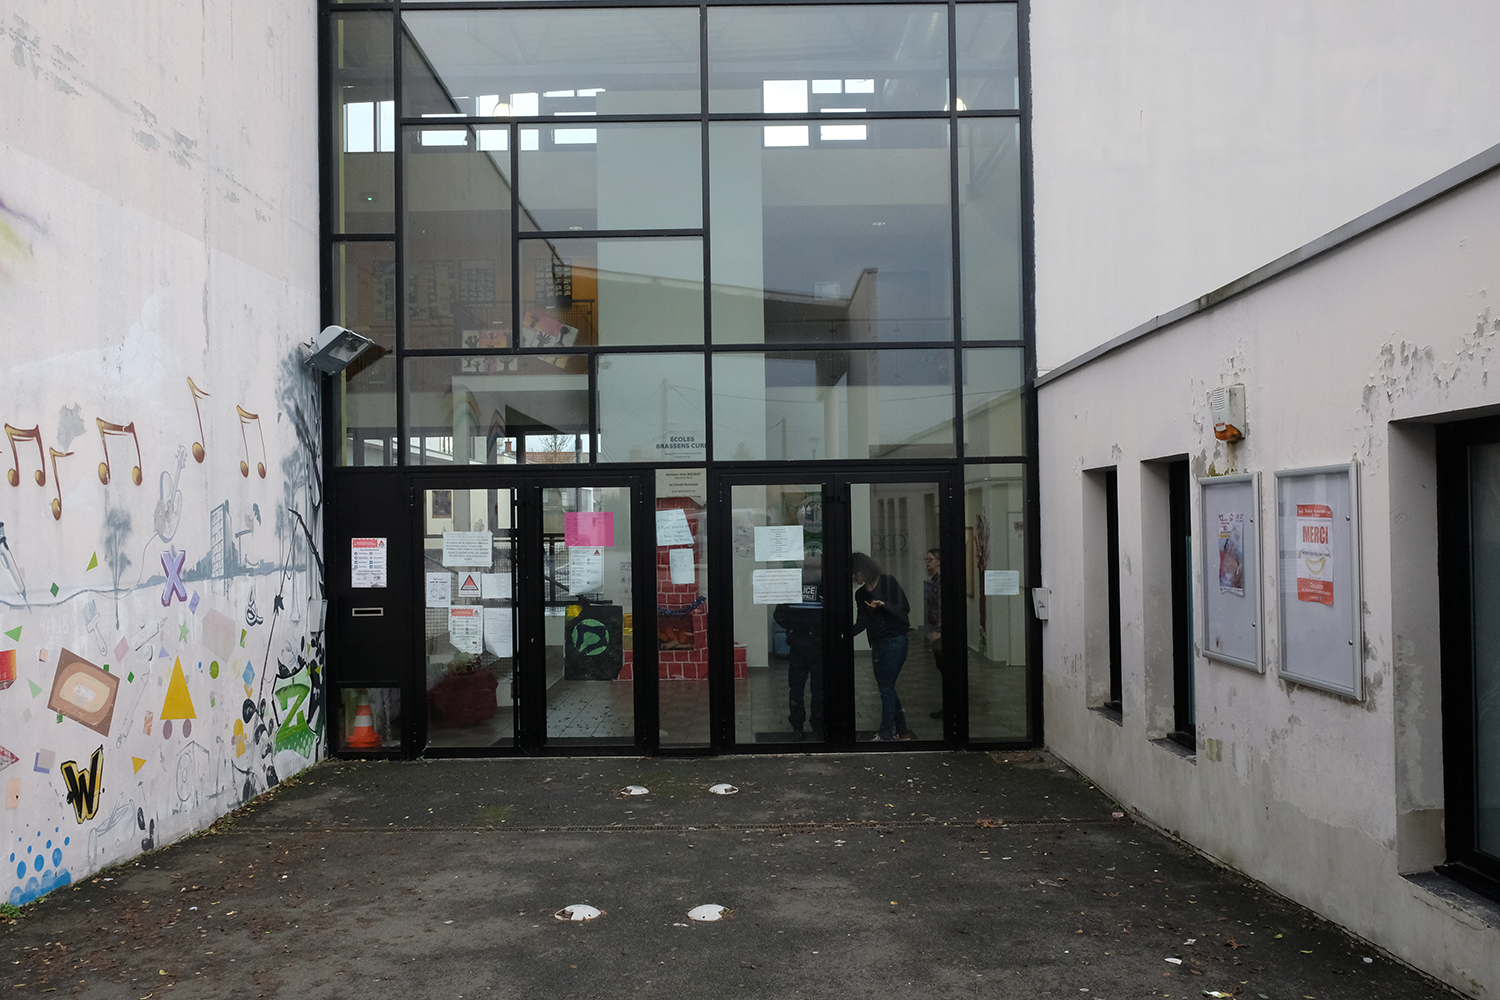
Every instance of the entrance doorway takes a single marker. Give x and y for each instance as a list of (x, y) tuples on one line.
[(837, 602)]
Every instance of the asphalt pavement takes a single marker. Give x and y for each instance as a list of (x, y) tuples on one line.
[(871, 875)]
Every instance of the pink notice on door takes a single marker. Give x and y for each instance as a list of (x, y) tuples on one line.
[(589, 529)]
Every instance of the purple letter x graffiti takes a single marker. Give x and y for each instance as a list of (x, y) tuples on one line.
[(174, 577)]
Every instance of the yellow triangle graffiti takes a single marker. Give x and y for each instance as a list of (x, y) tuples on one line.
[(179, 704), (139, 763)]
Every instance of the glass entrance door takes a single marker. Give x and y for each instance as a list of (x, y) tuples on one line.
[(528, 594), (838, 607)]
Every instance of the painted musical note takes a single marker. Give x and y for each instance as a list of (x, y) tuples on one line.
[(251, 418), (108, 430), (17, 434), (57, 504), (198, 450)]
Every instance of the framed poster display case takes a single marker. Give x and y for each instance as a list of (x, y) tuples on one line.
[(1229, 527)]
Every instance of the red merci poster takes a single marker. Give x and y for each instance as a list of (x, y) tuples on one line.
[(1314, 553)]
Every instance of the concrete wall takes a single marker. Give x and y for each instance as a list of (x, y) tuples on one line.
[(158, 224), (1179, 144), (1352, 356)]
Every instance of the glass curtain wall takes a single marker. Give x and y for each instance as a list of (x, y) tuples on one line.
[(706, 236)]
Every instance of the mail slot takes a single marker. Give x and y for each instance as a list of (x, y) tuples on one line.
[(368, 612)]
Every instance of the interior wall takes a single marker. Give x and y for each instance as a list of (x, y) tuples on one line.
[(161, 526)]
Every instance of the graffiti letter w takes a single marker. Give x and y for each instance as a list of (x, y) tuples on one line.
[(84, 786)]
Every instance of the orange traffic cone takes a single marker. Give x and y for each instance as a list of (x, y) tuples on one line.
[(364, 736)]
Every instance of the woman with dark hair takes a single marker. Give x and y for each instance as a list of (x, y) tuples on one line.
[(884, 613)]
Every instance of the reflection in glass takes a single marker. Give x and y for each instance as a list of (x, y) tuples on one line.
[(993, 401), (611, 291), (893, 525), (682, 620), (837, 59), (1484, 484), (833, 237), (497, 410), (587, 624), (364, 300), (364, 124), (611, 176), (995, 584), (989, 75), (779, 615), (457, 241), (469, 608), (833, 404), (569, 63), (651, 408), (370, 720), (989, 219)]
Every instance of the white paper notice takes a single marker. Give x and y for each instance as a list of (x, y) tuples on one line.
[(439, 590), (672, 528), (585, 570), (468, 548), (367, 558), (465, 628), (776, 586), (495, 586), (681, 564), (499, 632), (689, 483), (778, 542), (1002, 582)]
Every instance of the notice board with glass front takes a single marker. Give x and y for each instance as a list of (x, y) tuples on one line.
[(1230, 531), (1317, 541)]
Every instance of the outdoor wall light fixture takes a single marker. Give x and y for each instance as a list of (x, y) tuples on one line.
[(335, 348)]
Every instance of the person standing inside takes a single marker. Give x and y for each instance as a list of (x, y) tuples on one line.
[(932, 611), (885, 615), (803, 623)]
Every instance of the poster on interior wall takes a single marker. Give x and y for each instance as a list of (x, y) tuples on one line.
[(680, 564), (1314, 553), (585, 570), (672, 528), (466, 628), (367, 560), (1317, 532), (778, 543), (468, 548), (1228, 543), (439, 590), (595, 529), (776, 586), (1232, 553)]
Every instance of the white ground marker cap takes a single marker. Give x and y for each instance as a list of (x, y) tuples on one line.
[(723, 789), (708, 911), (635, 790), (578, 911)]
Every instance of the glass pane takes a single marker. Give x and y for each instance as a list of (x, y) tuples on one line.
[(779, 614), (682, 615), (364, 300), (497, 410), (457, 240), (551, 62), (611, 176), (371, 719), (989, 220), (989, 75), (587, 624), (611, 292), (844, 59), (1484, 486), (469, 558), (833, 404), (898, 688), (993, 401), (364, 124), (995, 587), (831, 232), (651, 408)]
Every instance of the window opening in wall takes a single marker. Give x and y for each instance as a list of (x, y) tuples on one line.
[(1184, 721), (1469, 595), (1112, 569)]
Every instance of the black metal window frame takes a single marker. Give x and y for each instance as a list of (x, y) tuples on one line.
[(961, 460)]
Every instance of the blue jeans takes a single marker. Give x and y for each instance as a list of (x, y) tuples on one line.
[(888, 656)]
